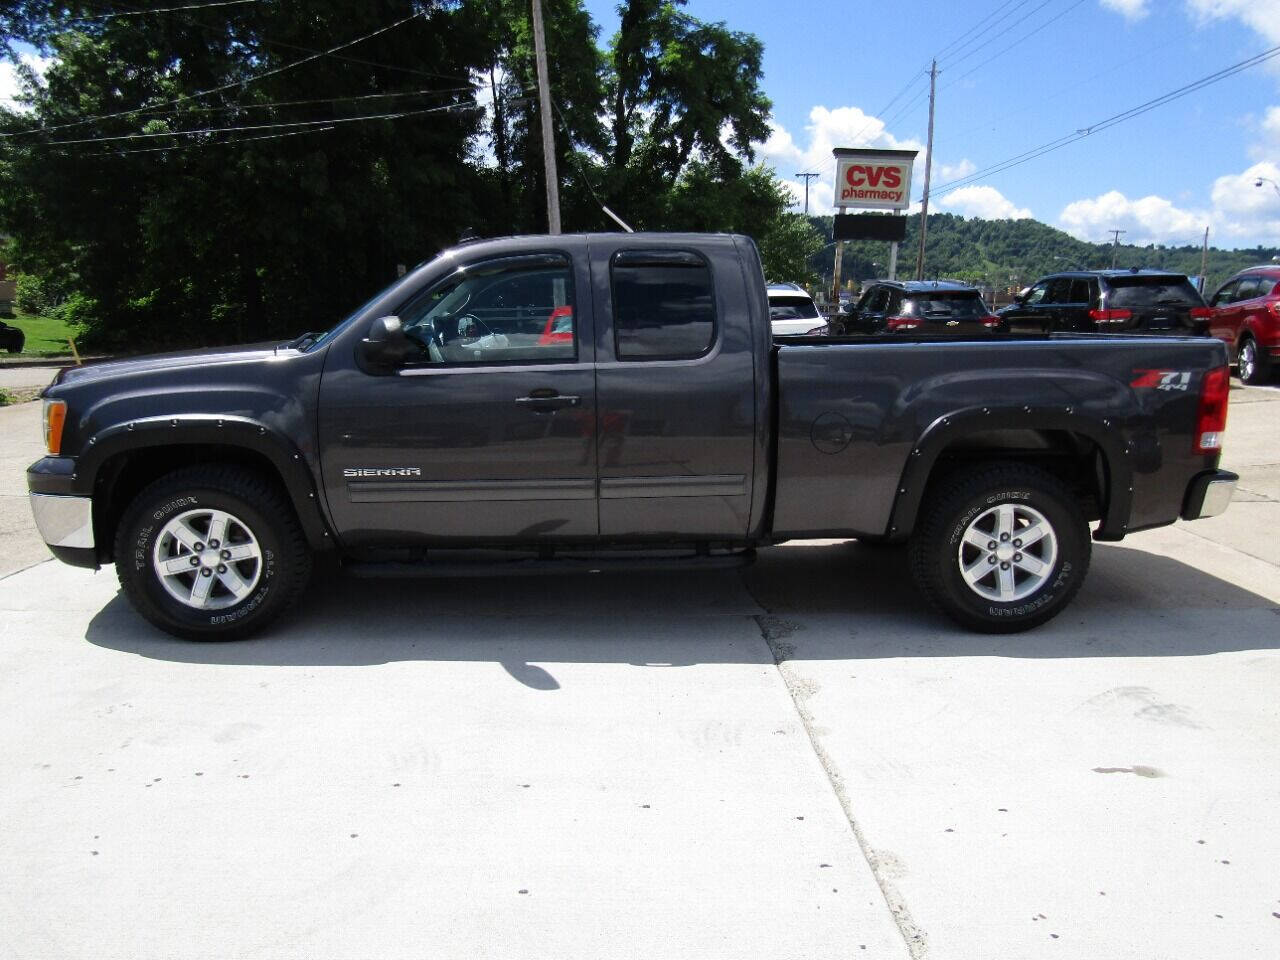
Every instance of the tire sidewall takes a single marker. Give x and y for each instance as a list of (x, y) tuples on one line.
[(1069, 567), (144, 525)]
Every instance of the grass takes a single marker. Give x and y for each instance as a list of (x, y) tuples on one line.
[(46, 336)]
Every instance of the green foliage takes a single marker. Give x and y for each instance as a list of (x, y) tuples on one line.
[(32, 294), (1014, 253), (788, 249), (46, 335)]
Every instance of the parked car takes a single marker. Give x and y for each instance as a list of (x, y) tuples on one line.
[(1246, 317), (1109, 301), (792, 311), (659, 413), (11, 338), (937, 307)]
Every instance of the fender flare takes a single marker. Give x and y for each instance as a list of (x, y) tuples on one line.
[(947, 429), (225, 431)]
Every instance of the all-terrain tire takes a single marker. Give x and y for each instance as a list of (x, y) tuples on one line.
[(944, 557), (261, 526)]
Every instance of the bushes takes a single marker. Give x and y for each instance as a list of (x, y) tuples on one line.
[(33, 294)]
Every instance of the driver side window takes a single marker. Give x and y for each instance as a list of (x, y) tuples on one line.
[(514, 310), (1036, 294)]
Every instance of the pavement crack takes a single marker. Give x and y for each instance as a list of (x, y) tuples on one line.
[(775, 631)]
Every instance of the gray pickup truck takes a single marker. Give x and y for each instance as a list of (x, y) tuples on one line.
[(570, 395)]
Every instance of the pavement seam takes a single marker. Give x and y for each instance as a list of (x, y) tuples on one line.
[(29, 566), (1232, 548), (773, 630)]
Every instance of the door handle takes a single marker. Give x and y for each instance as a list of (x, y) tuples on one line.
[(547, 402)]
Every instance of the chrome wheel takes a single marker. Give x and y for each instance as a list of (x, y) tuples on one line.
[(207, 559), (1248, 360), (1007, 553)]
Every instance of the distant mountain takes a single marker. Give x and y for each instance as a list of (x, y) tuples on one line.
[(1013, 253)]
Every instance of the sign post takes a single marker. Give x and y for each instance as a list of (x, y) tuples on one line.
[(872, 180)]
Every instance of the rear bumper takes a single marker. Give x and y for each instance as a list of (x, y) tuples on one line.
[(1209, 494)]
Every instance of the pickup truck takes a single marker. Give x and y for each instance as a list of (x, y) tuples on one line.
[(561, 396)]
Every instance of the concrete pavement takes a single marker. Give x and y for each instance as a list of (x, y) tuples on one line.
[(794, 761)]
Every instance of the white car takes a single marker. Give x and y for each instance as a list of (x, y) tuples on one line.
[(792, 311)]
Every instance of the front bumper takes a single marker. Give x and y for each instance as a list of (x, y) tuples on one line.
[(1209, 494)]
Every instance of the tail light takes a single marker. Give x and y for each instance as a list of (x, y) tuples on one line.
[(894, 324), (1211, 420), (990, 321), (1110, 316), (1201, 313)]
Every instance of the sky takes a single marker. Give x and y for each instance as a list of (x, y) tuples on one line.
[(1019, 74), (1016, 75)]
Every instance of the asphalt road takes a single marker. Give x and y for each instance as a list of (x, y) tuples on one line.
[(793, 761)]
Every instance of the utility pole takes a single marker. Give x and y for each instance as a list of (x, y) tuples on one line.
[(1115, 247), (807, 178), (1204, 260), (544, 103), (928, 169)]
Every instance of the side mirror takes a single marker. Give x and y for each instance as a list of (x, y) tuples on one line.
[(385, 346)]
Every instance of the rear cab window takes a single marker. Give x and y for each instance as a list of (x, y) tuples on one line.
[(1140, 291), (663, 305), (959, 303), (797, 307)]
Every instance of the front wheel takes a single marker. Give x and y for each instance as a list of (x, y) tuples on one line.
[(211, 553), (1000, 548)]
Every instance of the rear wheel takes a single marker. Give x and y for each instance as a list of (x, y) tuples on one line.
[(1252, 363), (211, 553), (1001, 548)]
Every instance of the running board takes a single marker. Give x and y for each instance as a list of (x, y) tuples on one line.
[(541, 566)]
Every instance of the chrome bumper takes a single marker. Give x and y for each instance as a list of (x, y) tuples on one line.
[(64, 521), (1209, 495)]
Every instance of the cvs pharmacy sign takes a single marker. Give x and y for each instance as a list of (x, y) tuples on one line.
[(873, 178)]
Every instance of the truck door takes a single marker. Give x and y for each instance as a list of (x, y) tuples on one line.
[(489, 432), (676, 389)]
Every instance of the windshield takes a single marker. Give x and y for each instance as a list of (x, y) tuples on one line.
[(1149, 291), (965, 304), (341, 324), (798, 307)]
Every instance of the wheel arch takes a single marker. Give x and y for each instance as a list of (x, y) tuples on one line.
[(121, 461), (1088, 453)]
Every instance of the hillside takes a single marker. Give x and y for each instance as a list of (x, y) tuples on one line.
[(1007, 253)]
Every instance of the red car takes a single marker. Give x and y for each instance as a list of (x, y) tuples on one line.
[(1246, 315)]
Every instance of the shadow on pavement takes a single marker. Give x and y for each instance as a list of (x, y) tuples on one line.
[(845, 600)]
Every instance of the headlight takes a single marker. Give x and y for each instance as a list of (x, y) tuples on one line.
[(55, 415)]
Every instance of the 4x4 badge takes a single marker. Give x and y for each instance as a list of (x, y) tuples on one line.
[(1162, 380)]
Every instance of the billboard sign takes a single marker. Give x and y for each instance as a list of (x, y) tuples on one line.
[(873, 179)]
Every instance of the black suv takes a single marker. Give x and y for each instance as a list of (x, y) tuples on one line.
[(945, 307), (1109, 301)]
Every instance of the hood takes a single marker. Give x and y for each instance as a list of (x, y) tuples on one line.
[(211, 356)]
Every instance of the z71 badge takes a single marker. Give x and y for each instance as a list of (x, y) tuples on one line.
[(355, 472), (1162, 380)]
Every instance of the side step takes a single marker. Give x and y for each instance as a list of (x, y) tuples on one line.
[(455, 563)]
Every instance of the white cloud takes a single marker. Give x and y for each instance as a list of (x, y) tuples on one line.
[(984, 202), (1262, 16), (1149, 219), (11, 84), (1129, 9), (828, 128), (946, 173), (1245, 214)]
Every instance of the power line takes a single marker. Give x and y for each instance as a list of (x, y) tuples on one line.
[(977, 27), (226, 86), (262, 126), (231, 107), (1111, 121), (1015, 43), (265, 41), (995, 36), (201, 146), (141, 13)]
